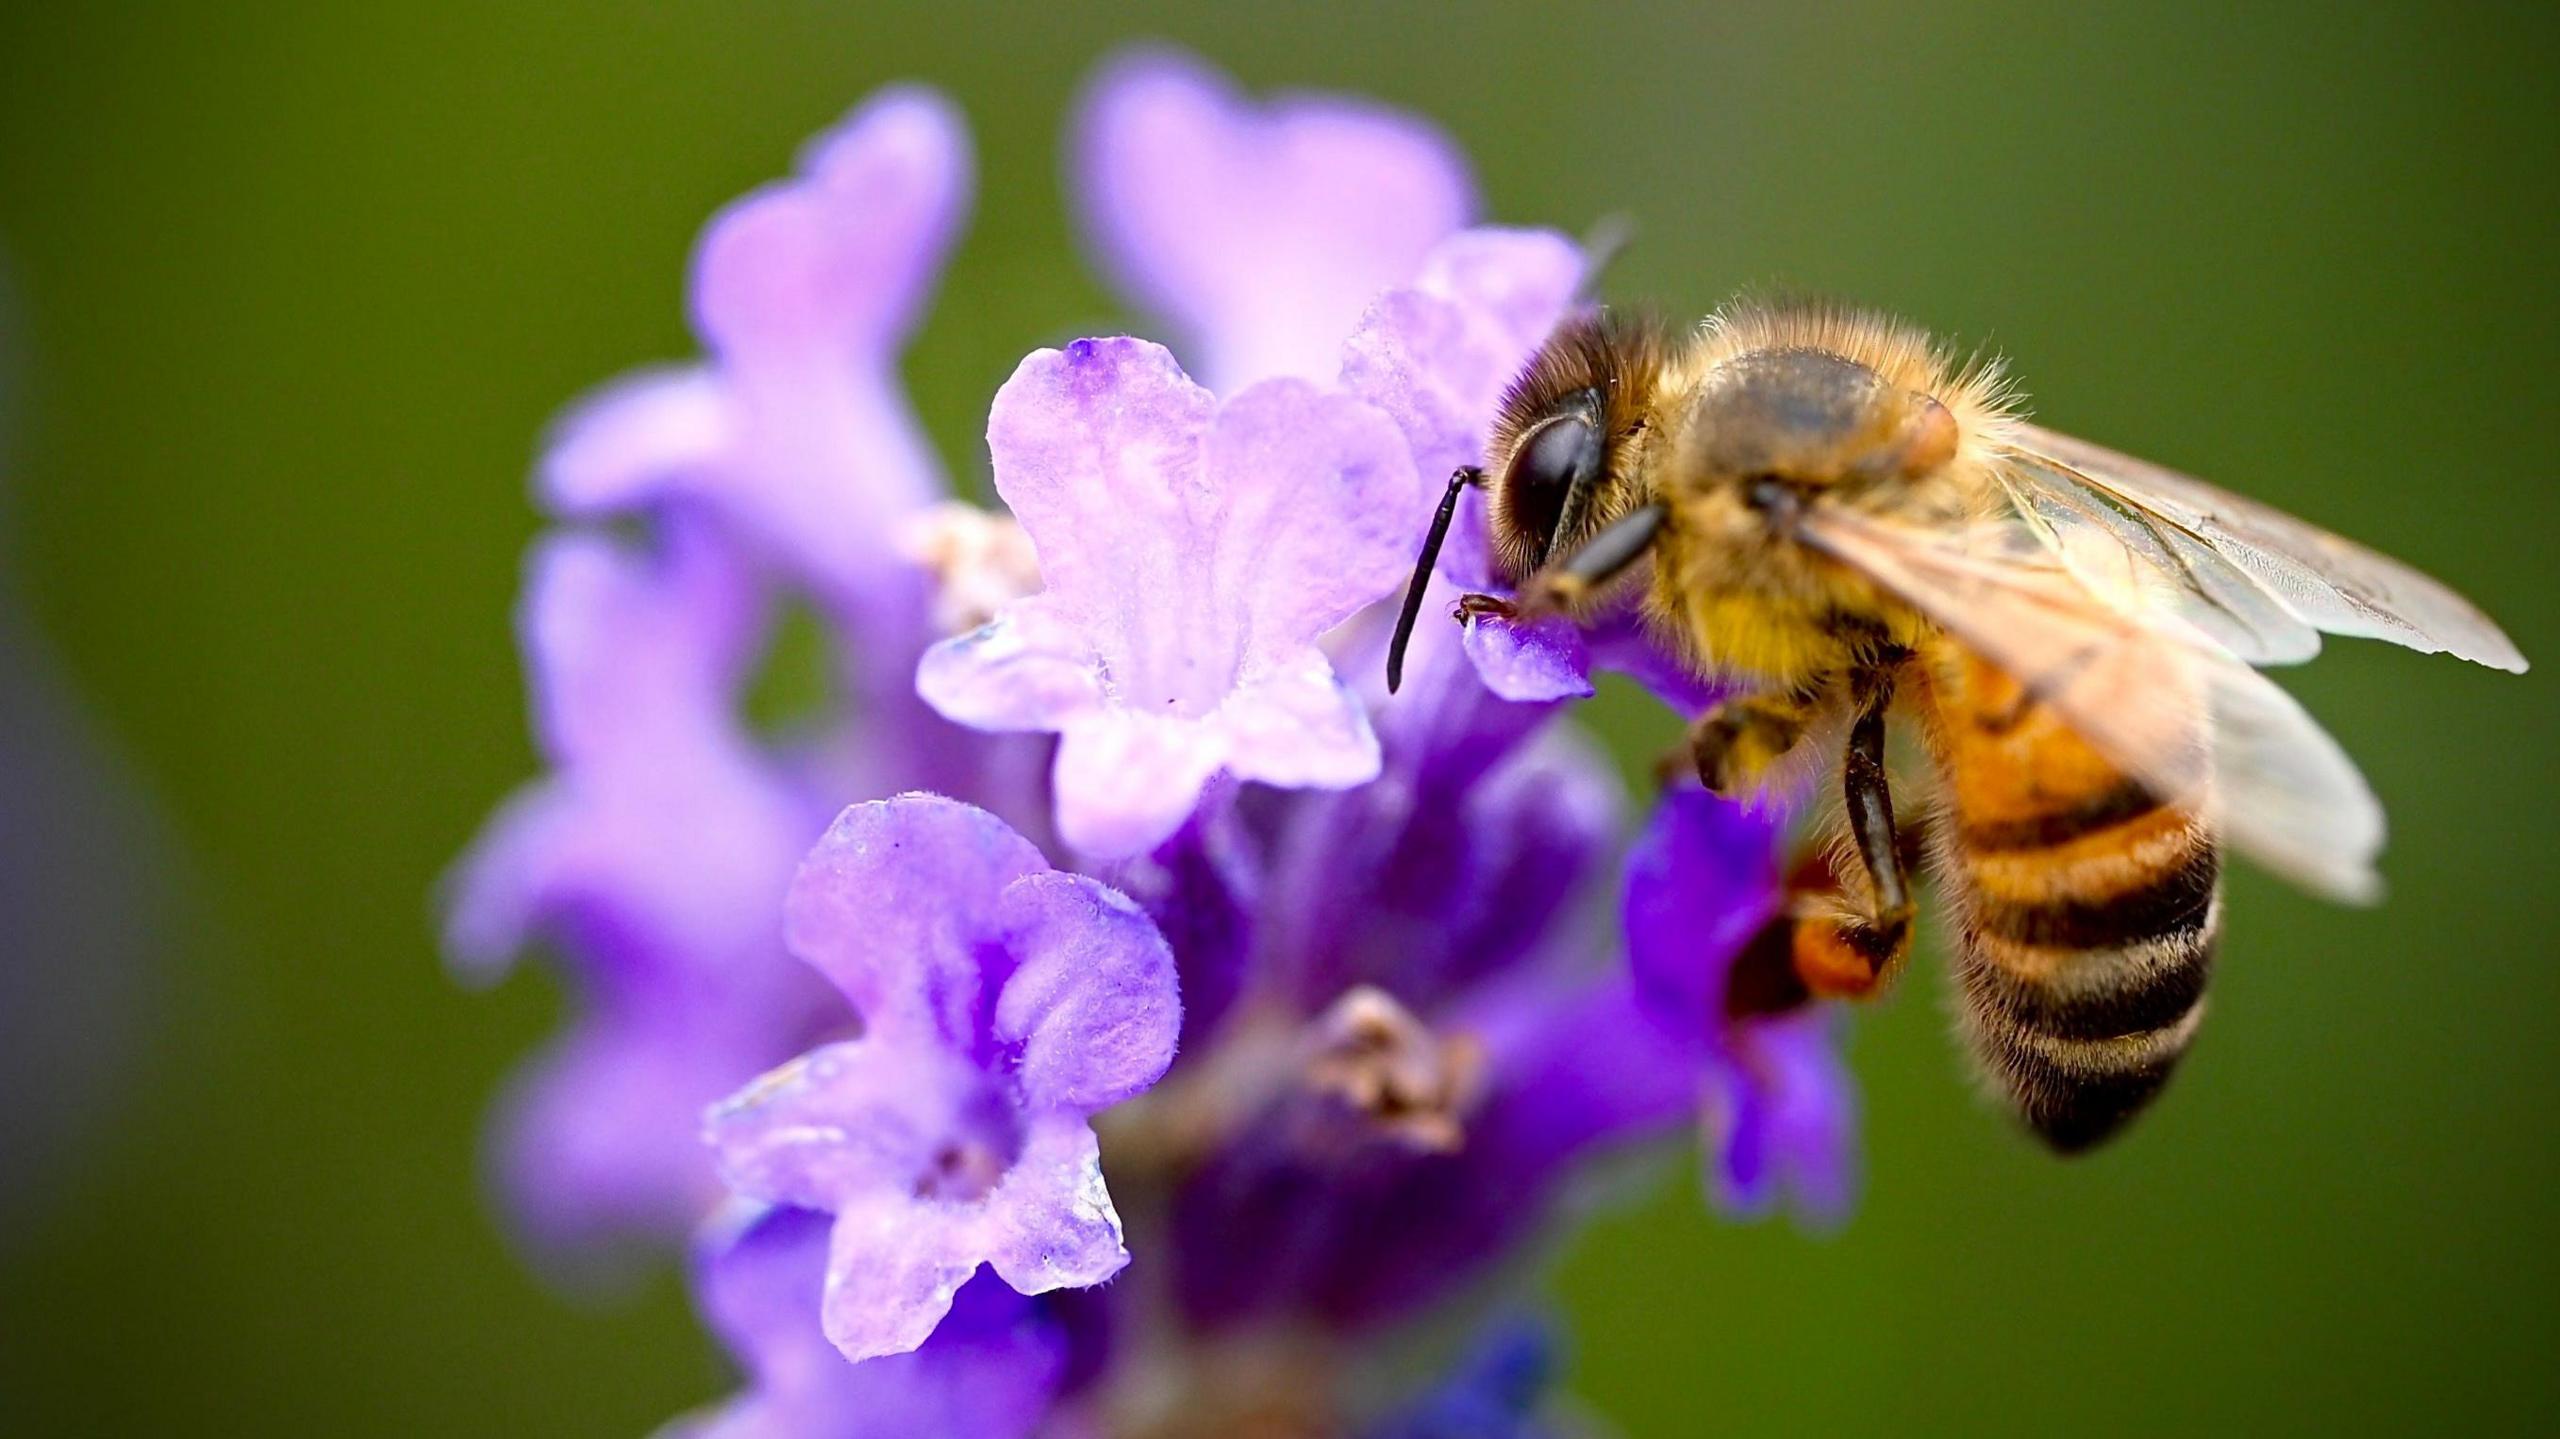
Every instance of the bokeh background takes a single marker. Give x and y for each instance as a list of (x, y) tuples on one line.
[(293, 287)]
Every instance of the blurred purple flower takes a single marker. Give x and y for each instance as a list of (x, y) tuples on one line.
[(656, 855), (1258, 231), (988, 1372), (1193, 553), (1493, 1392), (797, 432), (1779, 1105), (1003, 1003)]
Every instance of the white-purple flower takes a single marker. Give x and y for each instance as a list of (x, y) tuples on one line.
[(1002, 1003), (1258, 231), (1192, 554)]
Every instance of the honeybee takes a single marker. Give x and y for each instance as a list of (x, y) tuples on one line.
[(1854, 529)]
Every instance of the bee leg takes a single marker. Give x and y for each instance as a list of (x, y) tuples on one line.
[(1731, 746), (1851, 953), (1564, 584)]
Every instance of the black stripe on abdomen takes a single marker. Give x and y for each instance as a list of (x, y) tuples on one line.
[(2173, 903)]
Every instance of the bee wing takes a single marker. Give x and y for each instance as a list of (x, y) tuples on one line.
[(2334, 584), (2128, 677), (2087, 527)]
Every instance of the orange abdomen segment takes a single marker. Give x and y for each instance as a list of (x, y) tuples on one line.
[(2088, 909)]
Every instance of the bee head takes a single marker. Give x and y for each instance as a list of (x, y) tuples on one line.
[(1560, 462)]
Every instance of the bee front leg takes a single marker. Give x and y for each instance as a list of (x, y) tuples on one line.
[(1731, 746)]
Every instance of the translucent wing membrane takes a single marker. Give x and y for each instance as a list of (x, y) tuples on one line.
[(2203, 586), (2330, 583), (2128, 672)]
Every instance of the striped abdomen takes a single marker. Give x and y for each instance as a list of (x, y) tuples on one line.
[(2089, 911)]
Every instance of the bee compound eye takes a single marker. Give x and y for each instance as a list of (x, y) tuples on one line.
[(1557, 456)]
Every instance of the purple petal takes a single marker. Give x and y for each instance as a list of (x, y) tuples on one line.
[(630, 651), (1701, 880), (837, 263), (1191, 557), (1091, 1001), (1530, 663), (1438, 354), (1783, 1113), (597, 1141), (1297, 727), (1028, 668), (1050, 1224), (990, 1369), (799, 437), (893, 1264), (843, 1122), (1097, 451), (1126, 782), (1259, 231), (636, 438), (1312, 517), (892, 902), (665, 839)]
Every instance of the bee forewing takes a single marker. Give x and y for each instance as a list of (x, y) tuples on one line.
[(2334, 583), (2093, 532), (2130, 681)]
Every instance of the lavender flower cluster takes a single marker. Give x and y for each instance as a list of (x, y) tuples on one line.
[(1109, 924)]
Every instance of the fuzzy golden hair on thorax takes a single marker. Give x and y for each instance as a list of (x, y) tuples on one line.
[(1975, 388)]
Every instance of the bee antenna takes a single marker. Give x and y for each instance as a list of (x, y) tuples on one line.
[(1466, 475)]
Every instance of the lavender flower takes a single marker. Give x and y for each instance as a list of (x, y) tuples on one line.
[(1192, 554), (656, 853), (1003, 1003), (797, 433), (1382, 946)]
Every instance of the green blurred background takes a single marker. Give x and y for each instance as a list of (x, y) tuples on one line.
[(298, 286)]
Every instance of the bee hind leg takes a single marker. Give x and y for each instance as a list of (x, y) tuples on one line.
[(1851, 952)]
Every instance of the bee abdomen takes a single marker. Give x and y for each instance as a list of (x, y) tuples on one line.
[(2090, 935)]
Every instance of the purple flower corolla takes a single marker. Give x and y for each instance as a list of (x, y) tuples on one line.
[(1259, 231), (1192, 554), (1352, 1228), (655, 855), (1003, 1003), (1780, 1107), (1460, 860), (988, 1372), (797, 432)]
